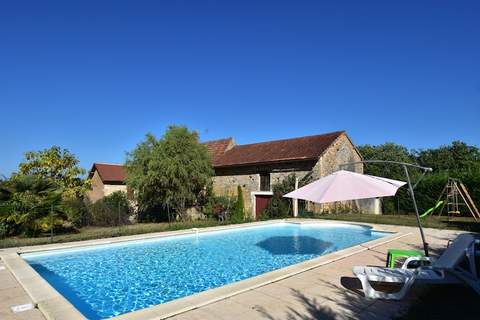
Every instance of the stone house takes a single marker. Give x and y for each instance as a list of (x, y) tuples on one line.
[(255, 167), (106, 179)]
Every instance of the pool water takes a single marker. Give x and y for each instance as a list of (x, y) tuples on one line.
[(108, 280)]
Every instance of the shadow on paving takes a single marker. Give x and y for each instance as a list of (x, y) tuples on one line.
[(339, 302), (444, 303), (312, 310)]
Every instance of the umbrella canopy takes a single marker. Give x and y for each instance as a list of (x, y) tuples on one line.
[(346, 185)]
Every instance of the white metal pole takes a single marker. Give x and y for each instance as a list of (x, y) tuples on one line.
[(295, 201)]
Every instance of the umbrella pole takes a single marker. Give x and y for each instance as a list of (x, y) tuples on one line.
[(425, 244)]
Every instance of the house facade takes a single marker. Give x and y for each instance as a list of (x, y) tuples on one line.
[(254, 167), (106, 179)]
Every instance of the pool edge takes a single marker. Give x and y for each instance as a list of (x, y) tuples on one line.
[(54, 306)]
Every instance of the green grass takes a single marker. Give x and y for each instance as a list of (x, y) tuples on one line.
[(89, 233), (457, 223)]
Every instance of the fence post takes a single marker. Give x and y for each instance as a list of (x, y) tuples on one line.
[(51, 224)]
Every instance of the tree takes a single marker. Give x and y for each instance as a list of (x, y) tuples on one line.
[(26, 204), (58, 166), (457, 160), (171, 173), (457, 157), (238, 214)]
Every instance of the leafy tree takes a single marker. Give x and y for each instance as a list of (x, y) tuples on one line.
[(26, 204), (171, 173), (457, 160), (60, 167), (391, 152), (239, 210), (457, 157)]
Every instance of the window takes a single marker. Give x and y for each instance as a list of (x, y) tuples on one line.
[(264, 181)]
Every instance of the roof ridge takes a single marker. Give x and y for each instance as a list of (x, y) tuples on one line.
[(110, 164), (279, 140)]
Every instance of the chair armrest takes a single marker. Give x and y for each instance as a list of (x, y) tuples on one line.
[(423, 261)]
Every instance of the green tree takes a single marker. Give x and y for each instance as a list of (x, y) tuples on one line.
[(457, 160), (29, 205), (454, 158), (60, 167), (238, 214), (171, 173)]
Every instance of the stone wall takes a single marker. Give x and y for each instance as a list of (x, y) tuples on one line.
[(227, 179), (96, 193), (227, 186), (340, 151), (111, 188), (277, 177)]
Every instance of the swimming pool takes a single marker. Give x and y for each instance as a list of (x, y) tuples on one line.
[(108, 280)]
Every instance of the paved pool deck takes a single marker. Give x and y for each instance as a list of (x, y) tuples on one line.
[(324, 289)]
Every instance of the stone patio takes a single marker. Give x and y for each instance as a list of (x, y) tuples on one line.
[(326, 292)]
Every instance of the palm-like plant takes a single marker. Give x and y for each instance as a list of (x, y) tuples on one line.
[(29, 204)]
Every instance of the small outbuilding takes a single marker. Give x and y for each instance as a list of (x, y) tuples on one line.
[(106, 178)]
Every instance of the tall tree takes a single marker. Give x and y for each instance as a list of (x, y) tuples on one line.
[(171, 173), (456, 157), (391, 152), (59, 166)]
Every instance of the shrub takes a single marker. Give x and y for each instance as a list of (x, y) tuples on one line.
[(238, 212), (29, 205), (77, 212), (280, 207), (112, 210), (216, 205)]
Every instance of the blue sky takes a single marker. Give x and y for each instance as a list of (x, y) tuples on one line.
[(94, 77)]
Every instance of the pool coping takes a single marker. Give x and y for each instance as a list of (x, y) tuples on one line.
[(54, 306)]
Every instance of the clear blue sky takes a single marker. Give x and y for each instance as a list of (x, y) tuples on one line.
[(95, 76)]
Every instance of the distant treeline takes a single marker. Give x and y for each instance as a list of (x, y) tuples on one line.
[(457, 160)]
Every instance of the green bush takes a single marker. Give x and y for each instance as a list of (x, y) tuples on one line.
[(238, 212), (218, 204), (29, 205), (112, 210), (280, 207), (77, 212)]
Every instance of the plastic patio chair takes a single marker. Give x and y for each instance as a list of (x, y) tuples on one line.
[(446, 270)]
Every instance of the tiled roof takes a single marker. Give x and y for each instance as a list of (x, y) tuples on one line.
[(225, 153), (217, 148), (110, 172), (295, 149)]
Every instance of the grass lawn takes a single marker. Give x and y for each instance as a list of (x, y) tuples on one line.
[(457, 223), (88, 233)]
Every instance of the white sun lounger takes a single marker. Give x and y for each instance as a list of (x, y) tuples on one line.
[(445, 270)]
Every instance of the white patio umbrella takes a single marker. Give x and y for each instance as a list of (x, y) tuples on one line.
[(346, 185)]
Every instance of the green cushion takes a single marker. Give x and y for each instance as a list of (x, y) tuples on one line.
[(394, 254)]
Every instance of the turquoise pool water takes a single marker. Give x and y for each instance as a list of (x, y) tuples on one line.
[(108, 280)]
